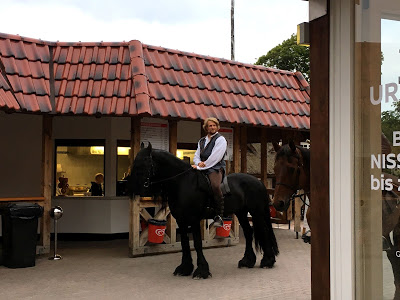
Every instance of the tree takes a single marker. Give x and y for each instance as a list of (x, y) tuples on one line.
[(288, 56)]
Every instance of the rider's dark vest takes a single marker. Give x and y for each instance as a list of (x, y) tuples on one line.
[(205, 152)]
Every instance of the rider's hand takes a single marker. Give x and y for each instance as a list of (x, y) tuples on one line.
[(194, 166), (201, 164)]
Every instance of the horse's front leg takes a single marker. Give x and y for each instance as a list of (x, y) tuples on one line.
[(186, 267), (202, 270)]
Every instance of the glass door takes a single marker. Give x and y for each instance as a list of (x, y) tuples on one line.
[(377, 148)]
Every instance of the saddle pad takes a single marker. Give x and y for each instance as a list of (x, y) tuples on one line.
[(225, 186)]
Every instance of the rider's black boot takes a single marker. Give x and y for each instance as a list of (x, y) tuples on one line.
[(218, 222)]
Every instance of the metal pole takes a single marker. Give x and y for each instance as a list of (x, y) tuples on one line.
[(55, 237), (232, 29), (56, 256)]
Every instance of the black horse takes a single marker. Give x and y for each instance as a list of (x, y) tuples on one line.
[(187, 191)]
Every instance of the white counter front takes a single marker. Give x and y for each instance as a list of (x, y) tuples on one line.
[(102, 215)]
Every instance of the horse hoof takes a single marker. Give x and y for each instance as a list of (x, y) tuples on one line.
[(246, 263), (306, 239), (267, 262), (184, 270), (201, 273)]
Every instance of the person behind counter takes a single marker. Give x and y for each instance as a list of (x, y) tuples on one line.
[(96, 188)]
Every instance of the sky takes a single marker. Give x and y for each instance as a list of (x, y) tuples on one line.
[(201, 27)]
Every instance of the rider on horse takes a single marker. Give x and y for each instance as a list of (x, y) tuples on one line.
[(209, 158)]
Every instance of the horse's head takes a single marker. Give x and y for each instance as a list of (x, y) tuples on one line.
[(142, 171), (289, 173)]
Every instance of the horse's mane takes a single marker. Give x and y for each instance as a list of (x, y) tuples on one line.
[(161, 156), (165, 155), (306, 155)]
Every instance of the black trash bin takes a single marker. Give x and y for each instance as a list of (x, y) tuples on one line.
[(20, 224)]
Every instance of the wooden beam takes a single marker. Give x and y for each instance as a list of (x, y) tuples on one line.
[(243, 149), (173, 137), (23, 199), (320, 70), (236, 150), (47, 181), (135, 138), (171, 228), (264, 163)]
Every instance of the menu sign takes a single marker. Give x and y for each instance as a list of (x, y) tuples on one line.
[(155, 133), (227, 133)]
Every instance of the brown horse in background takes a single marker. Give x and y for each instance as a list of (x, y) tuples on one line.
[(292, 173)]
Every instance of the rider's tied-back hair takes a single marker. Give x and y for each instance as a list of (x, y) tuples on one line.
[(212, 119)]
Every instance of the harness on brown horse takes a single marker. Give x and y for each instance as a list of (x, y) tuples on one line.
[(295, 194)]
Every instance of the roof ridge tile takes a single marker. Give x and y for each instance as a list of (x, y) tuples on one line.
[(139, 77)]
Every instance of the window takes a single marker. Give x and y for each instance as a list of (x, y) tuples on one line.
[(79, 168)]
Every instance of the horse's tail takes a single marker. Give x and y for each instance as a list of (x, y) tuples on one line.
[(263, 231)]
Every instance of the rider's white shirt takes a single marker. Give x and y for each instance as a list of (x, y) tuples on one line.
[(217, 153)]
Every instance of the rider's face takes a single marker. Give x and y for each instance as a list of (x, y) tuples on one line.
[(211, 127)]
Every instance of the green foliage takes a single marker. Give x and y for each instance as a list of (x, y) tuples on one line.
[(288, 56), (390, 121)]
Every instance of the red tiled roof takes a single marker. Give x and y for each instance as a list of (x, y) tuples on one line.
[(93, 78), (26, 63), (7, 99), (136, 79)]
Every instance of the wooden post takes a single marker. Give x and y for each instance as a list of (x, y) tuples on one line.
[(173, 137), (297, 213), (134, 217), (320, 71), (171, 228), (264, 164), (47, 180), (368, 202), (236, 150), (135, 138), (243, 149), (134, 223)]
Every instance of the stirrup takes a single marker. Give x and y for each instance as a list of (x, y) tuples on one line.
[(218, 222)]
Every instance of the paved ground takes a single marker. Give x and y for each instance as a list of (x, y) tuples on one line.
[(103, 270)]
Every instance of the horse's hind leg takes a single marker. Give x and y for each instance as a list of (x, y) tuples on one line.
[(249, 258), (186, 267), (202, 270)]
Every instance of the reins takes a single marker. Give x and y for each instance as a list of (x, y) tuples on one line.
[(148, 182), (294, 196)]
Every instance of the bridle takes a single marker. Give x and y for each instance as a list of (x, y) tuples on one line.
[(295, 189), (151, 174)]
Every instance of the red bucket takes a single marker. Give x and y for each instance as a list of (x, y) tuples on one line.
[(272, 211), (156, 231), (226, 229)]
